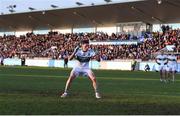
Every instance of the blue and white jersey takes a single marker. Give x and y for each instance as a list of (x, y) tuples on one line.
[(172, 59), (84, 57), (162, 59)]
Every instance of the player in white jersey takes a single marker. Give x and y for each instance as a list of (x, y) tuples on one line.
[(172, 66), (83, 55), (162, 61)]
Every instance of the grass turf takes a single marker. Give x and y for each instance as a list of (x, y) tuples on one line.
[(36, 90)]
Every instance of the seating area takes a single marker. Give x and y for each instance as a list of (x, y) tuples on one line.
[(57, 45)]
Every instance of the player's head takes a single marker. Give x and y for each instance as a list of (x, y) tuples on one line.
[(162, 52), (85, 45)]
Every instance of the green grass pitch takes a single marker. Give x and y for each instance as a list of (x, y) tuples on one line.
[(35, 90)]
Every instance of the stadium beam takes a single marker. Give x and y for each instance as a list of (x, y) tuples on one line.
[(173, 4), (145, 14)]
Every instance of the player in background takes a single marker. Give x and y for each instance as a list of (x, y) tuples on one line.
[(83, 55), (171, 66), (162, 61)]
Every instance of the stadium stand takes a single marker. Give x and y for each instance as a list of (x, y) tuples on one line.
[(55, 45)]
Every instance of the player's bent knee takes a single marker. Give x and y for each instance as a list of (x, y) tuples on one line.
[(93, 79), (71, 77)]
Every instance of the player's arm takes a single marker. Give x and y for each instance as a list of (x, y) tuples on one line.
[(73, 54), (176, 62), (96, 56), (167, 60), (157, 61)]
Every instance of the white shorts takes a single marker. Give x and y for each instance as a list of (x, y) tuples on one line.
[(78, 71), (171, 68), (162, 67)]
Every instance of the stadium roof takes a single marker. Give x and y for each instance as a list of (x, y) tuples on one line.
[(19, 6), (148, 11)]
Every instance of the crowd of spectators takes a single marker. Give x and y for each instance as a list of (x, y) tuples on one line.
[(56, 45)]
